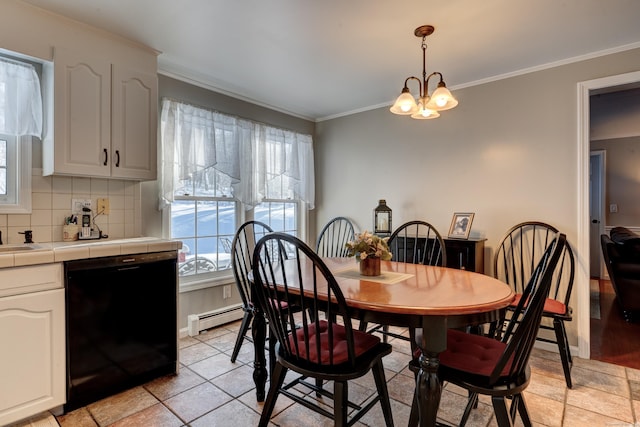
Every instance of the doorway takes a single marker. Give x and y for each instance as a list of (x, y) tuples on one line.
[(585, 90)]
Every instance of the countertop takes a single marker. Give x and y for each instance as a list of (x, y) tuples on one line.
[(45, 253)]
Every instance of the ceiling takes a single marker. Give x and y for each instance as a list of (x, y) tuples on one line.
[(323, 59)]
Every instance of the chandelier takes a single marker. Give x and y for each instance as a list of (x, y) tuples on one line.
[(427, 107)]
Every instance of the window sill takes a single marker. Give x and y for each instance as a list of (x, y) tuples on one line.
[(208, 282)]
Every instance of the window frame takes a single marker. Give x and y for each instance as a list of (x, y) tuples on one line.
[(200, 280), (19, 154), (298, 206), (21, 169)]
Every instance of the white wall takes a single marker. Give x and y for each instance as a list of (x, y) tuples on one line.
[(508, 152), (615, 115), (622, 179)]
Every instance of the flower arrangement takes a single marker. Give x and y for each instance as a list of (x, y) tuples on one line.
[(368, 245)]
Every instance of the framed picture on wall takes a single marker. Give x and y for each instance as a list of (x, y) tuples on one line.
[(461, 225)]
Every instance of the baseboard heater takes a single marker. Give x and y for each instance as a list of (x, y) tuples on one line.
[(210, 319)]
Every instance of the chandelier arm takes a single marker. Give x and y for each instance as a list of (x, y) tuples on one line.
[(416, 79), (426, 82)]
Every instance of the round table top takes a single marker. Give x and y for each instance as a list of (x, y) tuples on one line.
[(417, 289)]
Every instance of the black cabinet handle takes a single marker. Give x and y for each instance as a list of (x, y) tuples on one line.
[(106, 157), (117, 158)]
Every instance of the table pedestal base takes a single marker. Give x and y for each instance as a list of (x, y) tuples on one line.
[(428, 389)]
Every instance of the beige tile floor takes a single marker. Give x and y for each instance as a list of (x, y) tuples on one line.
[(212, 391)]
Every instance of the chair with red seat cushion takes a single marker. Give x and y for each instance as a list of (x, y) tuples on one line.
[(499, 368), (326, 349), (514, 261)]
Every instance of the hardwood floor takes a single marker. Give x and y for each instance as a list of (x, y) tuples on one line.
[(612, 339)]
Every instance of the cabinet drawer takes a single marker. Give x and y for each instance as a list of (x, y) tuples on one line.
[(22, 280)]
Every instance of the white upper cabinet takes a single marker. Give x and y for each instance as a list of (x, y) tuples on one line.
[(82, 115), (105, 118), (134, 107)]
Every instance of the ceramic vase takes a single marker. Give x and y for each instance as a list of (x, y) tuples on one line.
[(370, 266)]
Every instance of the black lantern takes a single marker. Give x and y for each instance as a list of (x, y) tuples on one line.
[(382, 218)]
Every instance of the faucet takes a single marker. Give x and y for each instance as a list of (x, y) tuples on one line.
[(28, 235)]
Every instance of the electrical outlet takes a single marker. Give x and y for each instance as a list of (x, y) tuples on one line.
[(103, 207), (226, 291), (78, 204)]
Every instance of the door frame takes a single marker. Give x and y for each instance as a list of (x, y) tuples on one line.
[(601, 156), (583, 141)]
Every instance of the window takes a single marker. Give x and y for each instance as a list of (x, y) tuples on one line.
[(20, 119), (279, 215), (205, 219), (218, 171)]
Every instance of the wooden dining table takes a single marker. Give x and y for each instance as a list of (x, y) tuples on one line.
[(414, 296)]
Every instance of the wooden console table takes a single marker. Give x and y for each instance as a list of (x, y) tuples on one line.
[(465, 254)]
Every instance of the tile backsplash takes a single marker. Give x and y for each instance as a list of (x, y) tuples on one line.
[(51, 204)]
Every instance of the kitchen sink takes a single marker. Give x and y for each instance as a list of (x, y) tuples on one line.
[(16, 248)]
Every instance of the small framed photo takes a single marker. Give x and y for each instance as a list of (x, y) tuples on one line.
[(461, 225)]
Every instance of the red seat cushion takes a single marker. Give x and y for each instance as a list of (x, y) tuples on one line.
[(550, 305), (472, 353), (362, 343), (283, 304)]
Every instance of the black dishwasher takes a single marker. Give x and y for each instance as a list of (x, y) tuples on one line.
[(121, 323)]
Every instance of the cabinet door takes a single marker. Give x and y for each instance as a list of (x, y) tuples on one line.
[(32, 354), (134, 124), (465, 254), (82, 116)]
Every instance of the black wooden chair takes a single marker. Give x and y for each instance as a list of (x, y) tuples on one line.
[(306, 344), (418, 242), (499, 368), (516, 258), (242, 247), (415, 242), (334, 236)]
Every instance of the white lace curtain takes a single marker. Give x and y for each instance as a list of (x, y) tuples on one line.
[(20, 99), (260, 161)]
